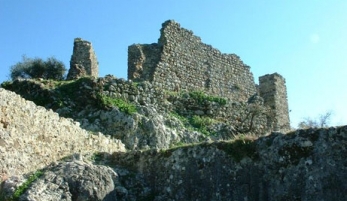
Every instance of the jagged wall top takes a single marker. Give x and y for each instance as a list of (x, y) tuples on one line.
[(180, 61), (83, 60)]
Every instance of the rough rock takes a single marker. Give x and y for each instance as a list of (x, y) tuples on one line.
[(78, 181), (143, 130), (307, 165), (32, 137)]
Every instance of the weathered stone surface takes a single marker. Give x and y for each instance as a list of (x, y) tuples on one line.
[(305, 165), (83, 60), (154, 111), (181, 62), (143, 130), (32, 137), (77, 180), (273, 89)]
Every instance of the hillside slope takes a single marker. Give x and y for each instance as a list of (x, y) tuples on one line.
[(32, 137), (167, 158)]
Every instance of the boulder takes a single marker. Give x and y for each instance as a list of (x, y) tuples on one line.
[(78, 181)]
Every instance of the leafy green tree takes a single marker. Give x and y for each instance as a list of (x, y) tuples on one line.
[(38, 68)]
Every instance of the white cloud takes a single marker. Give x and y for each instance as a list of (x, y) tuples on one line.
[(314, 38)]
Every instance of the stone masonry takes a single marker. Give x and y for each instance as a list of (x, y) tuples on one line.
[(180, 61), (83, 60), (272, 88)]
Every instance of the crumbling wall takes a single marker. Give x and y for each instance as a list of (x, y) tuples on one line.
[(83, 60), (32, 137), (143, 60), (272, 88), (180, 61)]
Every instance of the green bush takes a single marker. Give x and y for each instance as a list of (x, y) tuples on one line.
[(195, 123), (123, 105), (200, 97), (38, 68), (199, 122)]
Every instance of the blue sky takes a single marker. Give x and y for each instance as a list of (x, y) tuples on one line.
[(304, 41)]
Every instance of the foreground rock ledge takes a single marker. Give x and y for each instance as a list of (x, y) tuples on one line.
[(304, 165)]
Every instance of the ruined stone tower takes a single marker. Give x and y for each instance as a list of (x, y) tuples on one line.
[(272, 88), (83, 60)]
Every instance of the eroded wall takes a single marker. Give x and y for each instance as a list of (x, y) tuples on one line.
[(272, 88), (180, 61), (83, 60)]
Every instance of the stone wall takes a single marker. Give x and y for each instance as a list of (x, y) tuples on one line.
[(272, 87), (32, 137), (180, 61), (84, 106), (252, 116), (142, 60), (83, 60)]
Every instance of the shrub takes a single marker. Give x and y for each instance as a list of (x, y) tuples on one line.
[(196, 123), (199, 122), (38, 68), (200, 97), (123, 105)]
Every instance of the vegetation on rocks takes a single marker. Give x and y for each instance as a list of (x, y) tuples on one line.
[(196, 123), (22, 188), (201, 96), (196, 149), (123, 105)]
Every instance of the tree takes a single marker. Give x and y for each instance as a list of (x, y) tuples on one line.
[(322, 121), (38, 68)]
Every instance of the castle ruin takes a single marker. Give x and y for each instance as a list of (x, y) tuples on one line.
[(83, 60), (272, 88), (181, 62)]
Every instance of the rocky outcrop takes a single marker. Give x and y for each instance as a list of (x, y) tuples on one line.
[(32, 137), (302, 165), (145, 129), (156, 123), (308, 165), (76, 180)]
